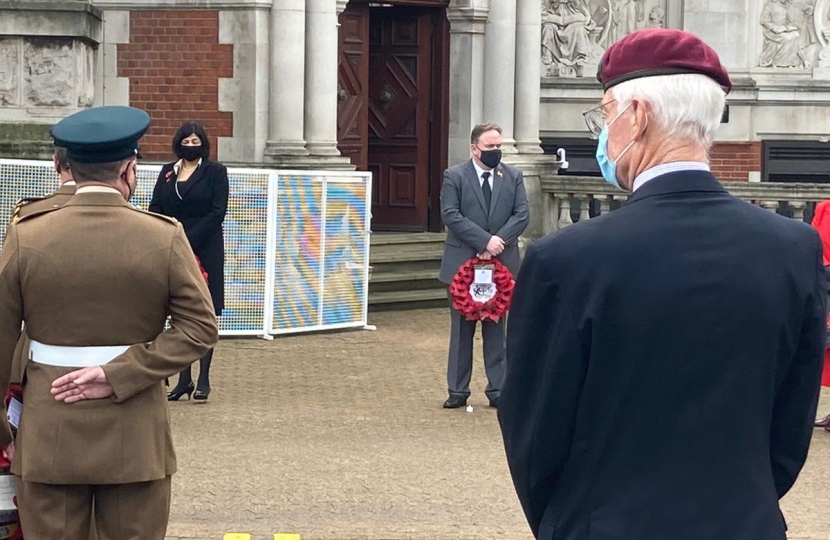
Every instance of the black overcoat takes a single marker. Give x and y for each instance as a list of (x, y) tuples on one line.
[(663, 366), (200, 207)]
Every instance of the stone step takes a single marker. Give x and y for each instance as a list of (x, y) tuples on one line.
[(385, 239), (408, 299), (405, 270), (412, 275), (400, 256), (405, 280), (406, 243)]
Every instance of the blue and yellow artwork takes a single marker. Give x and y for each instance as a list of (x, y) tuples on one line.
[(321, 252), (298, 244)]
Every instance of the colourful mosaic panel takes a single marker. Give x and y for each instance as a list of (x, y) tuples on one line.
[(245, 230), (344, 288), (297, 254), (321, 252), (21, 179)]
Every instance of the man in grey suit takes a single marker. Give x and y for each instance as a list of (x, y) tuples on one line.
[(484, 206)]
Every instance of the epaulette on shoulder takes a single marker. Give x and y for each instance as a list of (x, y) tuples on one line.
[(18, 218), (23, 202), (155, 215)]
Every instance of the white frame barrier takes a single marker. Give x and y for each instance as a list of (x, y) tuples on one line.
[(296, 244)]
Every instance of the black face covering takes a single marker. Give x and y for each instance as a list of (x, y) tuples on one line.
[(190, 153), (133, 187), (491, 158)]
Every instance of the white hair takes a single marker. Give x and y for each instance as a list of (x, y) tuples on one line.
[(684, 106)]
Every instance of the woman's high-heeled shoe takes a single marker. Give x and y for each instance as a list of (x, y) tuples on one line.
[(177, 392), (201, 395)]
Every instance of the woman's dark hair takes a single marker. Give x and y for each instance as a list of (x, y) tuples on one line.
[(188, 129)]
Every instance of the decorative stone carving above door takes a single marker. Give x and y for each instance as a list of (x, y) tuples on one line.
[(575, 33)]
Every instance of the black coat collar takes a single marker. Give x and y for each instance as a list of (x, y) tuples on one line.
[(678, 182)]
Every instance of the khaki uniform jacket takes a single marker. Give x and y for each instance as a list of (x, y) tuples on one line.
[(22, 209), (98, 272)]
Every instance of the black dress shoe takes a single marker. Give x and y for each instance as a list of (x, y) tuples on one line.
[(494, 403), (824, 422), (454, 402)]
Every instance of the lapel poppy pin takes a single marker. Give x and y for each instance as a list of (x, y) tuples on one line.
[(168, 175)]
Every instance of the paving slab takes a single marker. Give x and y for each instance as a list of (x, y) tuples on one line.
[(341, 436)]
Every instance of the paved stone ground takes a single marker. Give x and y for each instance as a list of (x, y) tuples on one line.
[(342, 436)]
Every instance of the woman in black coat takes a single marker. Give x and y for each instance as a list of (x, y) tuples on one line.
[(194, 190)]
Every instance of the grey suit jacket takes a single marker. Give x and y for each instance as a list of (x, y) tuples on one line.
[(470, 225)]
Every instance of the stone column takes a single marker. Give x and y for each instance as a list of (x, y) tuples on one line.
[(500, 70), (467, 20), (321, 78), (286, 100), (528, 76)]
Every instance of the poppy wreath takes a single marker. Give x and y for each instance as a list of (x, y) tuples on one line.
[(494, 308), (202, 269)]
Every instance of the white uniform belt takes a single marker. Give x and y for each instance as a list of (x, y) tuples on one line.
[(58, 355)]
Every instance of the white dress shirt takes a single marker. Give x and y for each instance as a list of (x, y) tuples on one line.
[(97, 189), (480, 172), (652, 173), (179, 164)]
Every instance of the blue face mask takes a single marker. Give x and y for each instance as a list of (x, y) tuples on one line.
[(607, 166)]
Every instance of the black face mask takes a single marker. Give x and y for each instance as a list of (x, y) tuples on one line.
[(491, 158), (190, 153), (132, 188)]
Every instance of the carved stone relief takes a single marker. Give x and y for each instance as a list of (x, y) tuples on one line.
[(85, 61), (821, 20), (790, 36), (46, 73), (575, 33), (9, 72), (49, 72)]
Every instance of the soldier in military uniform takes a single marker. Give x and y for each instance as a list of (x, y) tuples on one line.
[(58, 198), (96, 279), (31, 205)]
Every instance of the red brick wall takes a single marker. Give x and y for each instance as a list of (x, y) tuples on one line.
[(174, 62), (733, 161)]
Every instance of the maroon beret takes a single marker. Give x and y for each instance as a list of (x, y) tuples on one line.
[(659, 51)]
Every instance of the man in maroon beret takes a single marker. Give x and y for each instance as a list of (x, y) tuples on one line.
[(663, 360)]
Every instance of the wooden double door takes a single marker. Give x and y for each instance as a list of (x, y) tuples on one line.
[(392, 107)]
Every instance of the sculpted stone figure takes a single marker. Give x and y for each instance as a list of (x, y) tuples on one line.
[(9, 67), (657, 18), (800, 13), (624, 16), (781, 36), (566, 40)]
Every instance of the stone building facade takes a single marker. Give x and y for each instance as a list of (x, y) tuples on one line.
[(395, 86), (776, 51)]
